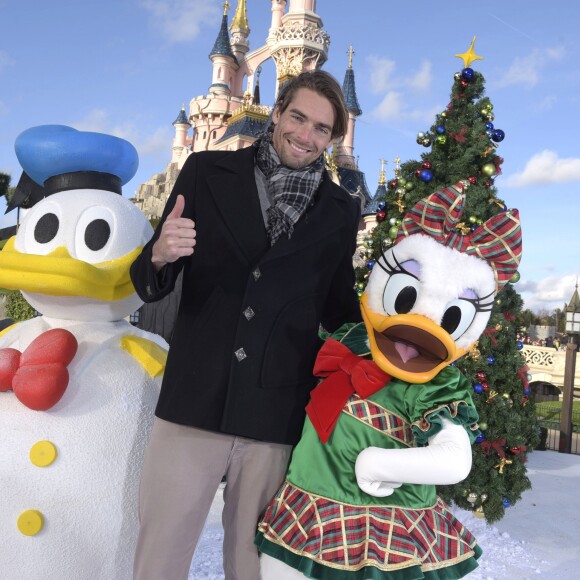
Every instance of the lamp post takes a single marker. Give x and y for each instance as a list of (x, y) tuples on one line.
[(572, 329)]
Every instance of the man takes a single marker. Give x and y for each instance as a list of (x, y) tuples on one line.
[(265, 240)]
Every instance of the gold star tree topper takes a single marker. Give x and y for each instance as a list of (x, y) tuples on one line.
[(469, 56)]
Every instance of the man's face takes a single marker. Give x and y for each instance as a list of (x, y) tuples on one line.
[(304, 129)]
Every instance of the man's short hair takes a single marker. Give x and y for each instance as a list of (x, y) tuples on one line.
[(326, 86)]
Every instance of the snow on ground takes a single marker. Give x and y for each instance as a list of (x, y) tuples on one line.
[(537, 538)]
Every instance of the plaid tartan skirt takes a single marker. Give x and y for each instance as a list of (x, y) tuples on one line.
[(328, 540)]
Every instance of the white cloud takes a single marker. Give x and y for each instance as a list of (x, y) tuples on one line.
[(548, 293), (5, 60), (527, 71), (546, 104), (154, 143), (546, 167), (421, 81), (182, 20), (383, 77), (382, 72)]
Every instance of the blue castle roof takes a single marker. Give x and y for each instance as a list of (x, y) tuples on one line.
[(372, 206), (222, 42), (349, 91)]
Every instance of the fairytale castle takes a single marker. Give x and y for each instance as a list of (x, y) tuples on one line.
[(231, 115)]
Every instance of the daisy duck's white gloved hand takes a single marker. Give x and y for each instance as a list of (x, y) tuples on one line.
[(445, 461)]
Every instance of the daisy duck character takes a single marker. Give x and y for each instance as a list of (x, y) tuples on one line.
[(392, 417)]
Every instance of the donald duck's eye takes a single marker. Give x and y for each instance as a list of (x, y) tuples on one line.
[(458, 317), (46, 228), (97, 234), (401, 292)]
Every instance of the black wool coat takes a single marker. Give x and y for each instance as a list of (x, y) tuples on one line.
[(246, 336)]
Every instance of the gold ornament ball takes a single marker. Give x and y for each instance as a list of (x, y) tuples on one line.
[(472, 497), (393, 232), (401, 181), (442, 139), (488, 169), (409, 185), (472, 219), (484, 112)]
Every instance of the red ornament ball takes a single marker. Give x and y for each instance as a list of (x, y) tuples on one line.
[(393, 184), (381, 215), (472, 179), (418, 172), (464, 84), (426, 165)]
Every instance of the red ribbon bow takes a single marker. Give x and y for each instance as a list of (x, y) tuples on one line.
[(491, 332), (345, 373), (38, 376), (497, 446)]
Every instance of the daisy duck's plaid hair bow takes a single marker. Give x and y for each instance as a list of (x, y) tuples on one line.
[(498, 241)]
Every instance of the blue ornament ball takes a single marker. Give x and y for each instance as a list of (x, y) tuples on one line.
[(490, 360), (520, 345), (498, 135), (478, 388), (440, 130), (381, 205), (489, 126), (527, 391), (506, 502), (426, 175), (370, 264), (480, 438), (467, 74)]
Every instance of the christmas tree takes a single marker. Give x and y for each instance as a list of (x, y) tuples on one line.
[(462, 147)]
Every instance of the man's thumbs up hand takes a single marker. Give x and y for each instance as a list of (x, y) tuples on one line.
[(177, 238)]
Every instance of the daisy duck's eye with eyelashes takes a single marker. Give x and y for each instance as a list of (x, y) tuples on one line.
[(403, 286), (460, 313)]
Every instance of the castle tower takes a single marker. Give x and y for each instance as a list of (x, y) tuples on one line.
[(180, 141), (222, 56), (239, 40), (345, 149), (298, 43)]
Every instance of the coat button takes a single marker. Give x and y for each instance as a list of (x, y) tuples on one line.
[(249, 313), (240, 354), (256, 273)]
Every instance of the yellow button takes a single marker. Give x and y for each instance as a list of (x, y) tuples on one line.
[(42, 453), (30, 522)]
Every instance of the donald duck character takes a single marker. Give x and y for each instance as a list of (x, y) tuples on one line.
[(78, 383), (392, 417)]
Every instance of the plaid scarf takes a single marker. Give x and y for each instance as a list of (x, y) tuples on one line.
[(291, 190)]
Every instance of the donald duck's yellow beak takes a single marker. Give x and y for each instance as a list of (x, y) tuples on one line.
[(409, 347), (59, 274)]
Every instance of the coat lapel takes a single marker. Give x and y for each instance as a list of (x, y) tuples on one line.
[(235, 193)]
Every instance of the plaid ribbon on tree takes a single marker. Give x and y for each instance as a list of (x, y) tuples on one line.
[(498, 241)]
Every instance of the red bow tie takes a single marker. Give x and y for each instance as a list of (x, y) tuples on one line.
[(38, 376), (346, 373)]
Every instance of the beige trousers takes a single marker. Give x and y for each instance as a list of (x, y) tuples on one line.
[(182, 470)]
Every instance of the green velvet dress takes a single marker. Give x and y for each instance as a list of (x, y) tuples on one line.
[(321, 523)]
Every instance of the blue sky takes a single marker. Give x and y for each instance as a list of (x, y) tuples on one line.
[(125, 67)]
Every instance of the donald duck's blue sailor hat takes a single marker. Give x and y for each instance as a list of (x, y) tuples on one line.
[(58, 158)]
